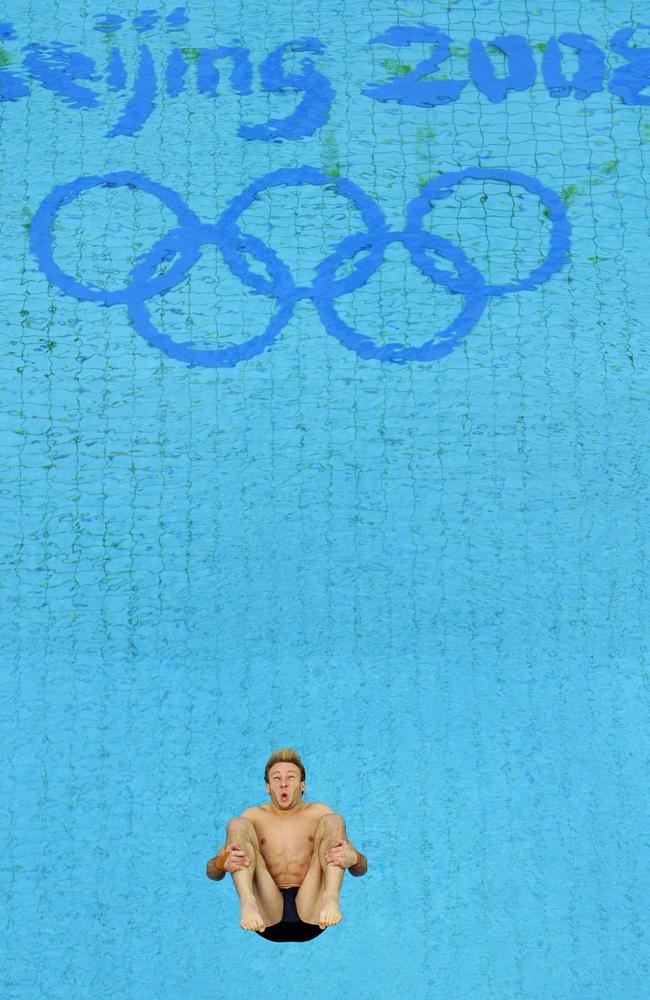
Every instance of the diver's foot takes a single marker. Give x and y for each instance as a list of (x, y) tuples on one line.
[(250, 917), (330, 913)]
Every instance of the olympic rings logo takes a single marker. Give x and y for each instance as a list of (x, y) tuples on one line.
[(181, 248)]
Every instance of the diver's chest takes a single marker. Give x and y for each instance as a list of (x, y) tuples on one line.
[(283, 837)]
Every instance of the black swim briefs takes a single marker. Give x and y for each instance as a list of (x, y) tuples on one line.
[(291, 927)]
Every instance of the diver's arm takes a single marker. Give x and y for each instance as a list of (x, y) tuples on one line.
[(214, 868), (361, 866)]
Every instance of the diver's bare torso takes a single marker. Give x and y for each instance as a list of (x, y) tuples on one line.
[(286, 842)]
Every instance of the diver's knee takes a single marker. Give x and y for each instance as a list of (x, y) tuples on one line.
[(331, 821), (239, 825)]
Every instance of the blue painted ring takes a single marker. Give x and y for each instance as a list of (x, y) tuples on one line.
[(560, 236), (467, 281), (283, 288), (231, 235), (45, 217)]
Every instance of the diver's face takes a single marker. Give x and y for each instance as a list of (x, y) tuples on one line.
[(284, 785)]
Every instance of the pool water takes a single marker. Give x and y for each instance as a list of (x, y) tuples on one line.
[(325, 419)]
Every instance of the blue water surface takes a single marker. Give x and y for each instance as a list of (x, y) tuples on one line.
[(324, 424)]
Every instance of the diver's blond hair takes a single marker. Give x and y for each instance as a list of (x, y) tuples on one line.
[(286, 755)]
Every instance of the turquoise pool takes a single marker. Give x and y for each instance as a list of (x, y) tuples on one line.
[(325, 418)]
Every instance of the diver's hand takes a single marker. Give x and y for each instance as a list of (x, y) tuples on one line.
[(342, 854), (236, 859)]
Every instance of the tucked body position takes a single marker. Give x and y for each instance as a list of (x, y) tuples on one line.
[(287, 858)]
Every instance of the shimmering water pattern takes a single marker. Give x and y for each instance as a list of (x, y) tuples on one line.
[(324, 424)]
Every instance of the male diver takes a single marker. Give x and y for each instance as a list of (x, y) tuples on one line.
[(287, 858)]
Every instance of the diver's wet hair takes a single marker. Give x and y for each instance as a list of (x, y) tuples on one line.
[(284, 756)]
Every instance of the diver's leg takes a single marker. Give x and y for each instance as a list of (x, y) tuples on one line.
[(260, 899), (317, 899)]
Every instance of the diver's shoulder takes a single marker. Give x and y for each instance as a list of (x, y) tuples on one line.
[(320, 808), (253, 811)]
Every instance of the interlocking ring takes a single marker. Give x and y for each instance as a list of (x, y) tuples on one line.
[(292, 176), (469, 282), (181, 247), (45, 216), (281, 287), (560, 236)]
